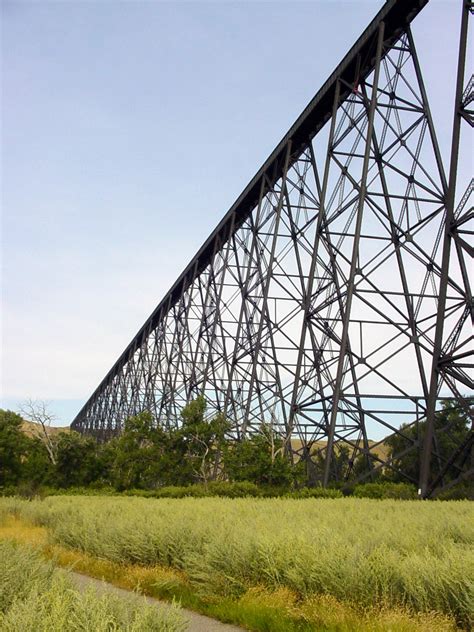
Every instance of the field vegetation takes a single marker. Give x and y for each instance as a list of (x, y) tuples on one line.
[(35, 597), (233, 530), (314, 564)]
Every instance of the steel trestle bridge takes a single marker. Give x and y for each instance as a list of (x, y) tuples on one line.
[(333, 300)]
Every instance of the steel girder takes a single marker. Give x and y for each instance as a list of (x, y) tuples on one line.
[(333, 300)]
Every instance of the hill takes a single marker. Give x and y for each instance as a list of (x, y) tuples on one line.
[(35, 430)]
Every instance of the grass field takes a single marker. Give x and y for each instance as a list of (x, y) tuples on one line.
[(319, 564), (35, 597)]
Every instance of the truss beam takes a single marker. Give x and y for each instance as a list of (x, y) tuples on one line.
[(333, 300)]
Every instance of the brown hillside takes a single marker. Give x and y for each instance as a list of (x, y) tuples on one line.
[(381, 450), (35, 430)]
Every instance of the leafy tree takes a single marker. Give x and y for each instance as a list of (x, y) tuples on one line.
[(13, 447), (203, 438), (147, 456), (452, 426), (132, 452), (37, 467), (259, 459), (78, 460)]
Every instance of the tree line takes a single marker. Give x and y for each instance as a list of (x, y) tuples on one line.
[(146, 456)]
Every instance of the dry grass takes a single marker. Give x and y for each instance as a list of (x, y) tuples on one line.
[(129, 576), (380, 450), (324, 612), (17, 530), (34, 430)]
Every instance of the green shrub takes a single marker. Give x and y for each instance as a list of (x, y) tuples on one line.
[(200, 490), (317, 492), (243, 489), (192, 491), (142, 493), (464, 491), (91, 490), (401, 491), (9, 490), (29, 490)]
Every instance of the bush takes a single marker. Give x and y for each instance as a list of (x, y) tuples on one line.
[(317, 492), (142, 493), (175, 491), (91, 490), (58, 607), (29, 490), (9, 490), (464, 491), (243, 489), (400, 491), (200, 490)]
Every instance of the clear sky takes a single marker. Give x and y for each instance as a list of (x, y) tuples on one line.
[(129, 128)]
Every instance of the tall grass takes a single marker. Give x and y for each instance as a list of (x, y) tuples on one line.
[(405, 554), (34, 597)]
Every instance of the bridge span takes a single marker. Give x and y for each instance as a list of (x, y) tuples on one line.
[(333, 300)]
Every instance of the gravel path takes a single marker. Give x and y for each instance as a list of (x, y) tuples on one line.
[(197, 622)]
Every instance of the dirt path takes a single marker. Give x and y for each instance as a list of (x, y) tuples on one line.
[(197, 622)]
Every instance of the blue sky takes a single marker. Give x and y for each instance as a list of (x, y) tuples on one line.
[(128, 129)]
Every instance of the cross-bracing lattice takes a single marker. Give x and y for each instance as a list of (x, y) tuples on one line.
[(338, 305)]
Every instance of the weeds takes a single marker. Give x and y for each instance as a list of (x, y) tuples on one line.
[(396, 556), (34, 597)]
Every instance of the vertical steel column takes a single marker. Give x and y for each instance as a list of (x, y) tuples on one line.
[(242, 312), (355, 253), (265, 310), (202, 325), (179, 335), (427, 439), (309, 288), (217, 315)]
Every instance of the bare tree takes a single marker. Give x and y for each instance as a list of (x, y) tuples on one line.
[(37, 412), (273, 433)]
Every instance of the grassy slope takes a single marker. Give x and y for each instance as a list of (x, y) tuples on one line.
[(381, 450), (34, 430)]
